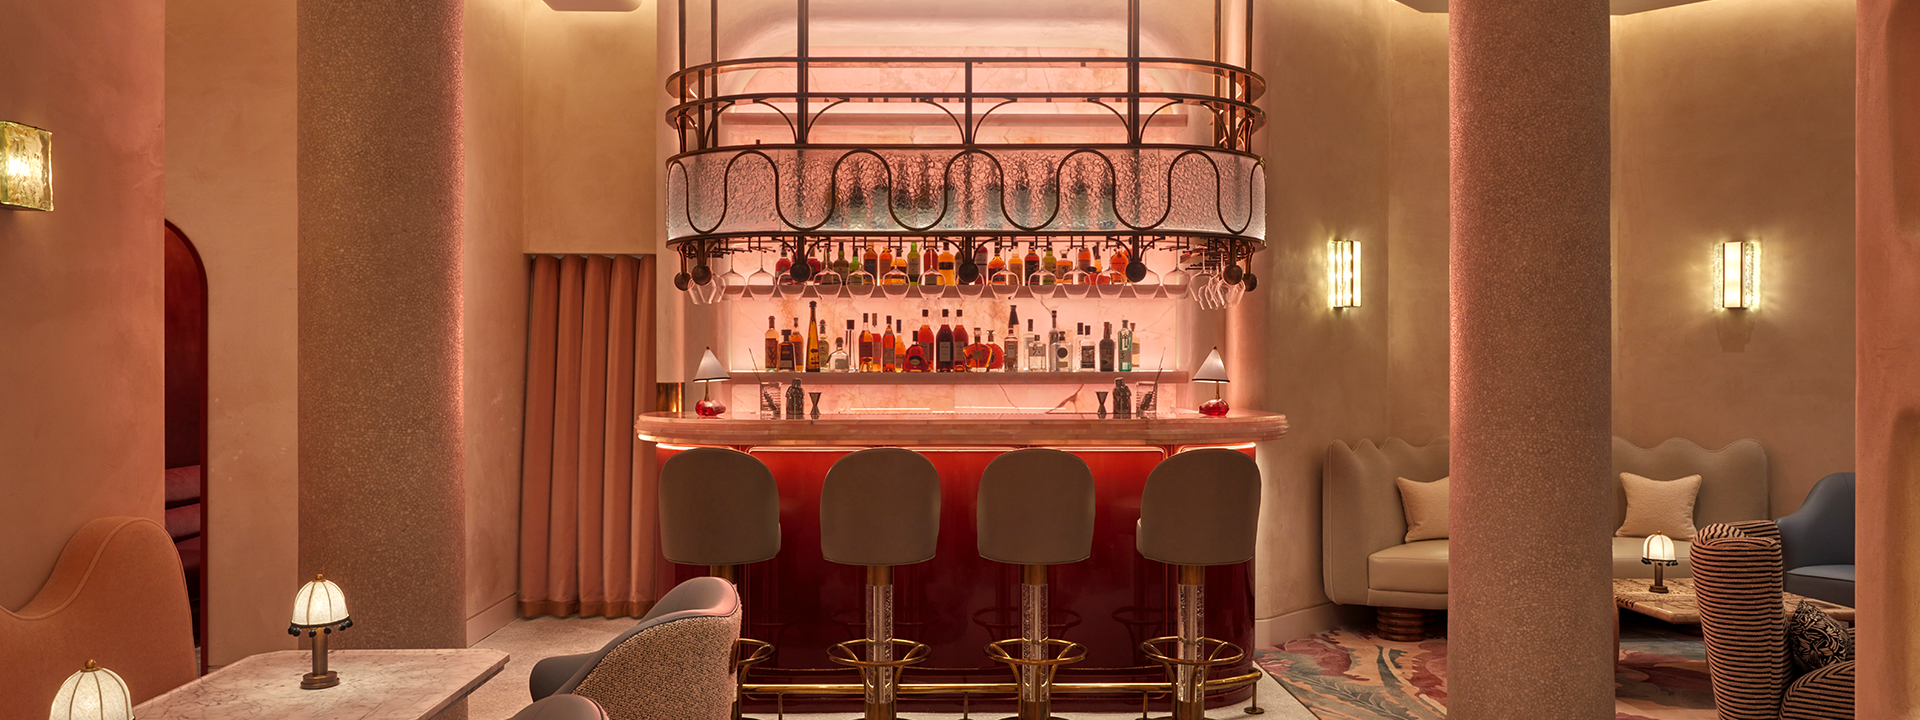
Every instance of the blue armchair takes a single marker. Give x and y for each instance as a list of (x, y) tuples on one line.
[(1817, 542)]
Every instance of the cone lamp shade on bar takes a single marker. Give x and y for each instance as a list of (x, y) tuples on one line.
[(26, 167), (1214, 370), (1658, 552), (319, 608), (94, 693), (710, 372)]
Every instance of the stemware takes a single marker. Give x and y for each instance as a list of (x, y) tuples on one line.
[(706, 294), (732, 283), (760, 283)]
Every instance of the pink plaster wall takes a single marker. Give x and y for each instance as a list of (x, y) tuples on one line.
[(1733, 120), (82, 432)]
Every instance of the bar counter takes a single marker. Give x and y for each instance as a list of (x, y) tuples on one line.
[(958, 602), (1015, 430)]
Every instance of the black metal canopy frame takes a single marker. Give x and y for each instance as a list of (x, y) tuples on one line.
[(1205, 200)]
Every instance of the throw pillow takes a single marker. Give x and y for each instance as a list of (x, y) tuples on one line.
[(1426, 507), (1659, 506), (1815, 641)]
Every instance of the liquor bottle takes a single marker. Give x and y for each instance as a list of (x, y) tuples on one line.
[(981, 266), (960, 342), (1057, 351), (898, 272), (1036, 351), (948, 272), (786, 353), (1106, 348), (930, 270), (853, 360), (924, 337), (1117, 265), (943, 345), (840, 265), (1086, 259), (899, 346), (870, 261), (996, 355), (813, 337), (916, 358), (886, 259), (799, 340), (889, 361), (1048, 263), (1122, 399), (976, 353), (1011, 341), (782, 267), (1031, 266), (1060, 270), (1124, 363), (913, 263), (1016, 268), (996, 268), (1088, 361), (773, 347), (866, 343), (838, 361)]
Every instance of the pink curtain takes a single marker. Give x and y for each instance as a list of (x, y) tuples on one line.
[(587, 493)]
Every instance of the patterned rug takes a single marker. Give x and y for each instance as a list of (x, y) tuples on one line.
[(1355, 675)]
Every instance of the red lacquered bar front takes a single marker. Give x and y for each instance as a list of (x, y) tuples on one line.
[(958, 602)]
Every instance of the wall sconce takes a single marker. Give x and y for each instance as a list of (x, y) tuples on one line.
[(27, 153), (1736, 275), (1343, 273)]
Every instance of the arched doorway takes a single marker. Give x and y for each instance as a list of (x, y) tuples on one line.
[(186, 401)]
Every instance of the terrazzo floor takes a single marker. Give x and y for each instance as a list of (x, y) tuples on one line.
[(530, 639)]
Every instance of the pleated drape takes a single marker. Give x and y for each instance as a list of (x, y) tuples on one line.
[(587, 494)]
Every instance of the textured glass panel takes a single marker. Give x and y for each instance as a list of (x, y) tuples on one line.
[(26, 179)]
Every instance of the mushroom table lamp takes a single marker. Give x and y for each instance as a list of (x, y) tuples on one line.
[(94, 693), (320, 609), (710, 372), (1214, 370), (1658, 552)]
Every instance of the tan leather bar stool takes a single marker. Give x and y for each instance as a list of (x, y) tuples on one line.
[(1199, 508), (1035, 509), (880, 508), (721, 508)]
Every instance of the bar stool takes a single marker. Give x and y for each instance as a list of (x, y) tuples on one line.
[(1199, 508), (721, 508), (880, 508), (1035, 509)]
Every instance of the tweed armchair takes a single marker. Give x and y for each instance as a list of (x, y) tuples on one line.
[(675, 664), (1737, 573)]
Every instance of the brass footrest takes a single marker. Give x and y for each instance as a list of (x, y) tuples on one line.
[(844, 653), (748, 652), (1068, 653), (1213, 653)]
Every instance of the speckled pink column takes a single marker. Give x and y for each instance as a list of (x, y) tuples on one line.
[(1530, 626), (381, 496)]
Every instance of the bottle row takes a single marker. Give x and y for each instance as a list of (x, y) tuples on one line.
[(1002, 264), (882, 344)]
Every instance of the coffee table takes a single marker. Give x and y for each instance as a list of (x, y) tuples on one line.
[(1682, 607), (374, 685)]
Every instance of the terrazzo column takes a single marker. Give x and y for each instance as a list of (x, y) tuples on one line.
[(380, 188), (1530, 626), (1887, 370)]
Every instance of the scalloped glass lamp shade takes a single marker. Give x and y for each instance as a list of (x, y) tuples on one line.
[(94, 693), (319, 604), (1658, 549), (26, 167)]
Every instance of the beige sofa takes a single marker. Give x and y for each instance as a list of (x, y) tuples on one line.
[(1367, 562)]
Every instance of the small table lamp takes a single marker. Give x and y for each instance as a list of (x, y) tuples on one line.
[(94, 693), (1658, 552), (319, 608), (710, 372), (1214, 370)]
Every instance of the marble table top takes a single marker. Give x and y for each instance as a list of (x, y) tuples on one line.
[(374, 685), (1681, 606)]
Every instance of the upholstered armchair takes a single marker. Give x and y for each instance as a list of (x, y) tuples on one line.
[(562, 707), (675, 664), (1737, 575), (1816, 542)]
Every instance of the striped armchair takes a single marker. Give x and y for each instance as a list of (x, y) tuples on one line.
[(1737, 573)]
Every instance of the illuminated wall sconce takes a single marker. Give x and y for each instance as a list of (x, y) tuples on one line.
[(27, 152), (1736, 275), (1343, 273)]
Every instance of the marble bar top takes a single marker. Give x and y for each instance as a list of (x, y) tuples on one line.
[(1073, 429), (374, 685)]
